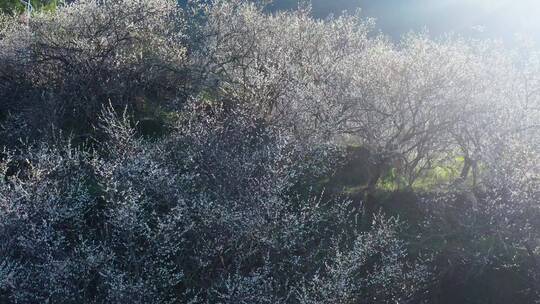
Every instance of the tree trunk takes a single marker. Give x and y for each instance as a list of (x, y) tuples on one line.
[(370, 204), (466, 168)]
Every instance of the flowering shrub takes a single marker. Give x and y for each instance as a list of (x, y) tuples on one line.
[(61, 67), (205, 215), (236, 202)]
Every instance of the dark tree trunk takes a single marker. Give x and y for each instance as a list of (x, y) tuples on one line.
[(467, 164)]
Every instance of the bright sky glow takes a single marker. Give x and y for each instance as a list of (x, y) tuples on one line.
[(497, 18)]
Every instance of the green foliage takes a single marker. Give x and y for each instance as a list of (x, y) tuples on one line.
[(14, 7), (443, 173)]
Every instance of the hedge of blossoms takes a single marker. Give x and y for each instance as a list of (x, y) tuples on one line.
[(226, 202), (205, 215)]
